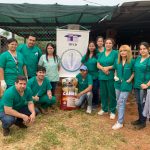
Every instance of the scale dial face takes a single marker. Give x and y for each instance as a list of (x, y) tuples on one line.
[(71, 60)]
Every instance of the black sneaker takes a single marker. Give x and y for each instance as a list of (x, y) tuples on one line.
[(20, 124), (6, 131), (140, 126), (136, 122)]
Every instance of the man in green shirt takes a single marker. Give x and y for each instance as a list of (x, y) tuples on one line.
[(41, 90), (85, 83), (16, 106), (31, 54)]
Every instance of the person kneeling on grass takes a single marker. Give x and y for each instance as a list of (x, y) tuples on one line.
[(85, 88), (41, 90), (16, 106)]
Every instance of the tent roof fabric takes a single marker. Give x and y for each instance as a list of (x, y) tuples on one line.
[(28, 12), (42, 20), (25, 19)]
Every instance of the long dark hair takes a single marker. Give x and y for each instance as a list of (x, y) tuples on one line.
[(88, 51), (54, 53)]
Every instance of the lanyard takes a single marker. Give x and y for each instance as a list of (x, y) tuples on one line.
[(14, 58)]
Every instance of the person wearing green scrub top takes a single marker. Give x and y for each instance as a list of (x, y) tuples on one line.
[(16, 106), (12, 64), (123, 81), (90, 61), (51, 62), (84, 86), (41, 90), (32, 54), (106, 76), (141, 82), (100, 48)]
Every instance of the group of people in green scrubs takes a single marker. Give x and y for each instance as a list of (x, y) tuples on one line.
[(126, 68), (106, 75), (22, 62), (115, 70), (19, 60)]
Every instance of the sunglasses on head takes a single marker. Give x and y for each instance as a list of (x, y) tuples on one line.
[(82, 70)]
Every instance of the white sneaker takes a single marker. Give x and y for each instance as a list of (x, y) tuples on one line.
[(101, 112), (112, 116), (117, 126), (89, 110)]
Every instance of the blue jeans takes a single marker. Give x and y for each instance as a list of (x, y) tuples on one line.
[(53, 84), (121, 98), (95, 91), (87, 96), (8, 120), (139, 100)]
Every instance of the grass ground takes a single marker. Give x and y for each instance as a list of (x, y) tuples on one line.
[(76, 130)]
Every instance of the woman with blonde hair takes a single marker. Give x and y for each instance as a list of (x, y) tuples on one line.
[(123, 81)]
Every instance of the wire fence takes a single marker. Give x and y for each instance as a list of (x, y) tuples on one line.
[(43, 35)]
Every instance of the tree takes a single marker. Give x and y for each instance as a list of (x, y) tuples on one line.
[(5, 33)]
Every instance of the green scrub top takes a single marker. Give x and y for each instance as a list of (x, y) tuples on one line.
[(107, 61), (124, 73), (99, 53), (12, 98), (37, 89), (51, 66), (32, 56), (1, 105), (83, 83), (11, 68), (91, 64), (140, 69)]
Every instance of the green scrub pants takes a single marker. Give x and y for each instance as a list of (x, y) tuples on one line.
[(45, 102), (108, 96)]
